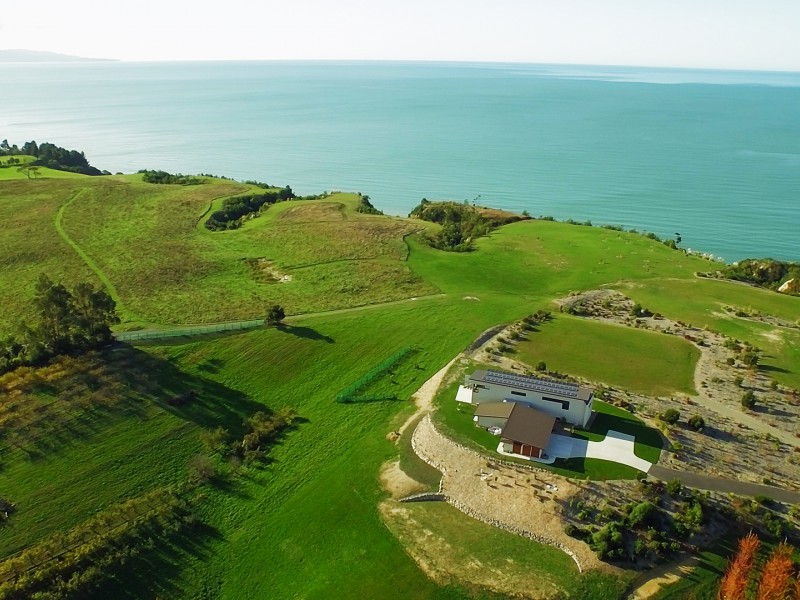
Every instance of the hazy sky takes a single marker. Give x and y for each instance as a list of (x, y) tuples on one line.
[(730, 34)]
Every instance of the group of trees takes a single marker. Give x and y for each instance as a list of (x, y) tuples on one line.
[(773, 581), (461, 223), (645, 530), (234, 209), (67, 321), (366, 207), (169, 178), (764, 272), (52, 156), (261, 431), (74, 564)]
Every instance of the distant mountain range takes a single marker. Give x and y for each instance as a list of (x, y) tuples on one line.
[(42, 56)]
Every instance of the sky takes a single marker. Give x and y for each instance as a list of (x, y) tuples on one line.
[(724, 34)]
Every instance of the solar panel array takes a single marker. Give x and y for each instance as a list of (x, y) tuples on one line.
[(544, 386)]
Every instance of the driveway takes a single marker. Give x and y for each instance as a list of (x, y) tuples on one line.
[(616, 447)]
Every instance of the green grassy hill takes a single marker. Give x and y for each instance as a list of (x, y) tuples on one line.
[(306, 524)]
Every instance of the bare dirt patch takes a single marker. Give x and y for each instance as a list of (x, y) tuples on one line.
[(395, 481), (263, 270), (444, 563), (315, 211), (663, 576)]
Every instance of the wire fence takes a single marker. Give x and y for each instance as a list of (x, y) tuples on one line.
[(133, 336), (350, 393)]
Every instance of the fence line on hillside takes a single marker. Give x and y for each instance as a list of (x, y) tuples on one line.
[(349, 394), (132, 336)]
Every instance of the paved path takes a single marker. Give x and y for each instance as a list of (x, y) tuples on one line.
[(719, 484), (615, 447)]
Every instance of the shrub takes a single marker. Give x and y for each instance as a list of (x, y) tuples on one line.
[(541, 366), (670, 416), (674, 487), (641, 513), (697, 422), (749, 400)]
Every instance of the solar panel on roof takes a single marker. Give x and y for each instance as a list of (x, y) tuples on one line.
[(532, 383)]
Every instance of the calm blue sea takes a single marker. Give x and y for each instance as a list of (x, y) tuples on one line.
[(714, 155)]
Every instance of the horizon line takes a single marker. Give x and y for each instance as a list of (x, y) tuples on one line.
[(85, 59)]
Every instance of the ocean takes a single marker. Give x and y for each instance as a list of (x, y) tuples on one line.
[(712, 155)]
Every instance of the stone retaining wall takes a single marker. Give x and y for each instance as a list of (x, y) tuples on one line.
[(470, 510)]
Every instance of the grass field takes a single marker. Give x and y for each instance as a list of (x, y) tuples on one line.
[(9, 172), (633, 359), (307, 525), (146, 243)]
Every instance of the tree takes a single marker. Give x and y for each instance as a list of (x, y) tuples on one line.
[(749, 400), (641, 513), (541, 366), (734, 583), (275, 315), (30, 171), (776, 576)]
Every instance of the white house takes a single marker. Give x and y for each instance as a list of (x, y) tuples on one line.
[(568, 402), (523, 430)]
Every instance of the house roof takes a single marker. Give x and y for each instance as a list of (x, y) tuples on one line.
[(535, 384), (494, 409), (528, 426)]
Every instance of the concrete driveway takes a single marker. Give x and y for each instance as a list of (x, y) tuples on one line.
[(616, 447)]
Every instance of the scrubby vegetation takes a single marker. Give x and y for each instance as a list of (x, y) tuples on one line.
[(52, 156), (235, 209), (763, 272), (461, 223), (655, 526)]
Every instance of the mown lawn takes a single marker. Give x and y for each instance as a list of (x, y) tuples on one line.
[(633, 359)]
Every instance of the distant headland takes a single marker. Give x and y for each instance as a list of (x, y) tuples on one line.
[(7, 56)]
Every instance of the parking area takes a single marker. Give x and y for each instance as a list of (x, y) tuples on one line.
[(615, 447)]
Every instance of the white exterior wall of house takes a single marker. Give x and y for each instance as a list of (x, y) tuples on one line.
[(487, 422), (571, 410)]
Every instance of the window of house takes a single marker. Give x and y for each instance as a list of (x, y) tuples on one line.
[(517, 393)]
